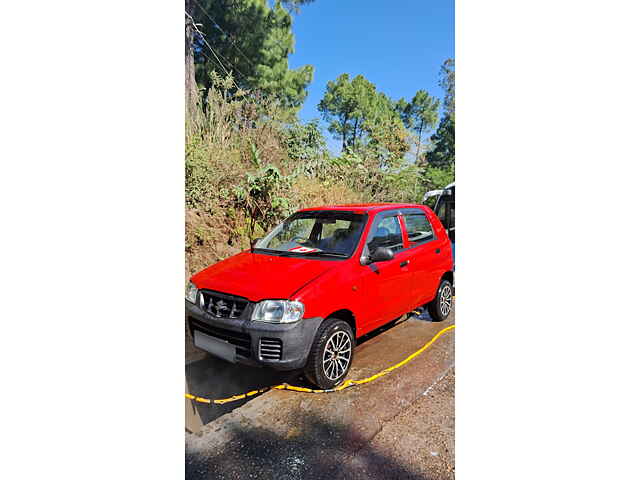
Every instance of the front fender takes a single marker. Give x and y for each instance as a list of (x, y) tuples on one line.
[(339, 289)]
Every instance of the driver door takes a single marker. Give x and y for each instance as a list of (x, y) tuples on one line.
[(387, 285)]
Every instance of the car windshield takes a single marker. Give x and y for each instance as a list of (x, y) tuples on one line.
[(318, 233)]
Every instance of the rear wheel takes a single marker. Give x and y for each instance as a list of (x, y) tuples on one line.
[(440, 307), (331, 354)]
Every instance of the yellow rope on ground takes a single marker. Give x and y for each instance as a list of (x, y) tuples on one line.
[(344, 385)]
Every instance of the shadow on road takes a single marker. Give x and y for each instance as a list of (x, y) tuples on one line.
[(319, 450), (210, 377), (215, 378), (423, 317)]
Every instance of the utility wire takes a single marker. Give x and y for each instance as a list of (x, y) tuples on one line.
[(203, 38), (233, 67), (195, 26), (215, 24), (232, 37), (229, 62)]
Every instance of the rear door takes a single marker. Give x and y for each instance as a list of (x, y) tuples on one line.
[(428, 250), (387, 285)]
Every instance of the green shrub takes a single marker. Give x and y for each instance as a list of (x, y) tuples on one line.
[(246, 169)]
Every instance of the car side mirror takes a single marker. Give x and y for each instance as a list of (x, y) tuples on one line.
[(381, 254)]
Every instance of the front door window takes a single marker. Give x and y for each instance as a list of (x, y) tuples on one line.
[(386, 234)]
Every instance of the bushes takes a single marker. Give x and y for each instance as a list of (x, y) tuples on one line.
[(246, 170), (434, 177), (262, 195)]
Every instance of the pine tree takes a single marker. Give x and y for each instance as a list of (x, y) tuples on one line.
[(252, 41), (420, 115), (444, 140), (355, 110), (444, 152)]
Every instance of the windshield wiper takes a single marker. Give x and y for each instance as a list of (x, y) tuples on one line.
[(286, 253), (329, 254), (279, 253)]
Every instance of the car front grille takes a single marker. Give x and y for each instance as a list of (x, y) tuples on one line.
[(270, 349), (221, 305)]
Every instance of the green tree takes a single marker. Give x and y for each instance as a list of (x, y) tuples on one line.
[(387, 138), (434, 178), (306, 149), (356, 112), (448, 83), (420, 115), (345, 105), (444, 140), (252, 41), (294, 5)]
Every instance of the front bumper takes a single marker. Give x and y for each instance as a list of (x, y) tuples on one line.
[(254, 341)]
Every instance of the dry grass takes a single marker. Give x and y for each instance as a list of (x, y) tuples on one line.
[(233, 138), (309, 192), (216, 234)]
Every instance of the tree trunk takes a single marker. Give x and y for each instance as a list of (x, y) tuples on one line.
[(419, 142), (344, 132), (190, 88)]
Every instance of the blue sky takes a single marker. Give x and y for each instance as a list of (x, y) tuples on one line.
[(397, 45)]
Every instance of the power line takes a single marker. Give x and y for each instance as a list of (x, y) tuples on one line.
[(215, 24), (229, 62), (233, 40), (195, 26), (203, 38)]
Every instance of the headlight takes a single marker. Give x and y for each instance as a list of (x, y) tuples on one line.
[(192, 292), (278, 311)]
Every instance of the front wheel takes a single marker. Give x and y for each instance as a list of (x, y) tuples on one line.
[(440, 307), (331, 354)]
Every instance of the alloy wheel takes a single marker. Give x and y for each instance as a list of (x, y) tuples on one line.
[(446, 299), (336, 355)]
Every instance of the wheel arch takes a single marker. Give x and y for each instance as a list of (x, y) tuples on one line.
[(346, 315), (447, 276)]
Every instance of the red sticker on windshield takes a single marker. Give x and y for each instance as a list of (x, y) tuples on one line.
[(303, 250)]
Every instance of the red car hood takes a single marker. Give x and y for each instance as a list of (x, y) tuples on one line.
[(259, 277)]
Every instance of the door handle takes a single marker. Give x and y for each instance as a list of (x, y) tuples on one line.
[(404, 264), (437, 250)]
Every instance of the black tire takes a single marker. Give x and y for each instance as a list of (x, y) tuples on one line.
[(441, 306), (339, 333)]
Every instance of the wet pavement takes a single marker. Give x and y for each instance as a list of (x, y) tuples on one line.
[(377, 430), (211, 377)]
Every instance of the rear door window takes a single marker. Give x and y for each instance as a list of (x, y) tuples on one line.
[(419, 229)]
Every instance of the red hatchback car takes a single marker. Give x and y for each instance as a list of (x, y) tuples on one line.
[(322, 278)]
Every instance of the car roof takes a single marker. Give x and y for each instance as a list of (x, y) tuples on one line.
[(364, 207)]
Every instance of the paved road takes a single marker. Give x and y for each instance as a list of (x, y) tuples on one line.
[(420, 438), (400, 426)]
